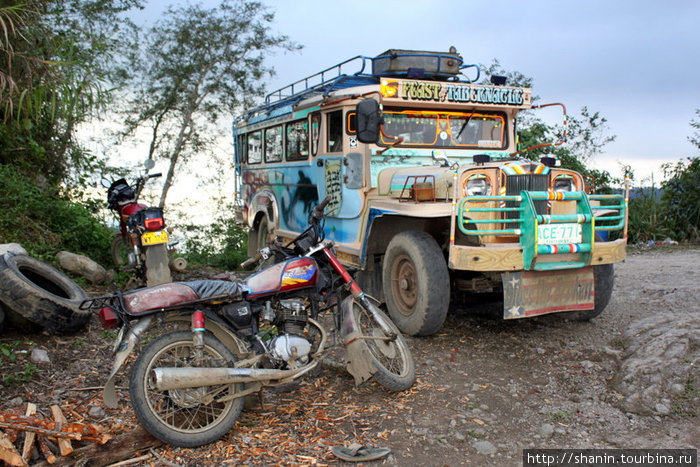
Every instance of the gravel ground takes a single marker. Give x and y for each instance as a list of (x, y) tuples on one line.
[(486, 388)]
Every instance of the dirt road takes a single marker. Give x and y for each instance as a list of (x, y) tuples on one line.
[(486, 389)]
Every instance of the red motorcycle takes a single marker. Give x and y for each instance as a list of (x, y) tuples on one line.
[(232, 339), (142, 243)]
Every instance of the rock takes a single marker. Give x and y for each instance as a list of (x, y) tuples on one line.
[(485, 447), (14, 248), (39, 356), (546, 431), (96, 412), (82, 266), (662, 409), (15, 402)]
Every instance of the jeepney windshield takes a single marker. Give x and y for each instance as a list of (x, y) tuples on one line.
[(421, 128)]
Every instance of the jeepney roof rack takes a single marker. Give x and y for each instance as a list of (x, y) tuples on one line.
[(354, 72)]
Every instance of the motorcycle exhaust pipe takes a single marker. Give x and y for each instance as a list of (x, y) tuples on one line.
[(164, 379)]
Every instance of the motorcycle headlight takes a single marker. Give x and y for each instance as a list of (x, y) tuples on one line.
[(563, 184), (478, 185)]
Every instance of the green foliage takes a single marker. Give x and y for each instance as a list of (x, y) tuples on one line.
[(61, 60), (680, 200), (45, 221), (8, 357), (645, 217), (221, 244)]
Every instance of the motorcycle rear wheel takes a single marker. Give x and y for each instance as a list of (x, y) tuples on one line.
[(393, 360), (177, 416)]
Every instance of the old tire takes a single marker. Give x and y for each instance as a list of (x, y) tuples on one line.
[(416, 283), (157, 265), (604, 277), (41, 294), (176, 416)]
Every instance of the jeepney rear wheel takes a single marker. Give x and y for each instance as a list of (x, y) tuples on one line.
[(604, 278), (416, 283)]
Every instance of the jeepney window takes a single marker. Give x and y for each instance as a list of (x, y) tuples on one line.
[(315, 131), (297, 140), (273, 144), (334, 121), (443, 129), (482, 130), (255, 147), (415, 128), (242, 147)]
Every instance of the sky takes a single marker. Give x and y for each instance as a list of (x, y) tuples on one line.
[(637, 62)]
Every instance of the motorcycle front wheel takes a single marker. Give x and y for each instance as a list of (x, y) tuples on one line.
[(178, 416), (396, 370)]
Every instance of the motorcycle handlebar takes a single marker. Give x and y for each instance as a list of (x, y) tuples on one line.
[(318, 210), (155, 175)]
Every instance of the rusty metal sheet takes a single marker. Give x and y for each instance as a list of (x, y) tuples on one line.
[(533, 293)]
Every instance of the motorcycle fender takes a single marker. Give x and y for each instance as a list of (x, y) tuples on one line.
[(357, 355), (122, 351)]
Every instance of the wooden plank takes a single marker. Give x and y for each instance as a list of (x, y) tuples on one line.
[(64, 444), (29, 437), (9, 453)]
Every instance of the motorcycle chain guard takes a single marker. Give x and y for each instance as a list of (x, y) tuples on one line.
[(357, 355)]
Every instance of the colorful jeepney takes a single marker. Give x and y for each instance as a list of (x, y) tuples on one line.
[(430, 195)]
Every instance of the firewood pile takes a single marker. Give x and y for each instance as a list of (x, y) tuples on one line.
[(29, 437)]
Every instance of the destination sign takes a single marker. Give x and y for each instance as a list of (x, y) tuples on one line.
[(455, 92)]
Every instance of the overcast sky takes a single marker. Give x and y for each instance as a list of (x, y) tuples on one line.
[(636, 62)]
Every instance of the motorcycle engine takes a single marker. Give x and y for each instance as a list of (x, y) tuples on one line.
[(291, 347)]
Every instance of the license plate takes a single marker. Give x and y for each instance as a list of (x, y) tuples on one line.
[(558, 234), (533, 293), (154, 238)]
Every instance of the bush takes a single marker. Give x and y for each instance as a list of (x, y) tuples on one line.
[(43, 221), (221, 244), (680, 200)]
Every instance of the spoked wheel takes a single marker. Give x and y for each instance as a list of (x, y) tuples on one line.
[(119, 251), (390, 354), (186, 417)]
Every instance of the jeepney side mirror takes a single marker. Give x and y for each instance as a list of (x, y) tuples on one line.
[(368, 121)]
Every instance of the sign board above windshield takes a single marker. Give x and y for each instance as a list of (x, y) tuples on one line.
[(454, 92)]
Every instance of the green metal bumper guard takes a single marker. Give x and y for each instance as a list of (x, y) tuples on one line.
[(530, 224)]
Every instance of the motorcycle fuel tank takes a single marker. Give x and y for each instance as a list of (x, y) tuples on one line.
[(290, 275)]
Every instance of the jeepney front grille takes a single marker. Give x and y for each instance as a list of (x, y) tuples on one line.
[(528, 182)]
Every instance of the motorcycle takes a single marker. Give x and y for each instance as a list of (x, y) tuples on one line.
[(142, 242), (231, 339)]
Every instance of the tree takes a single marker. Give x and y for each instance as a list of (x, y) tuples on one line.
[(59, 61), (586, 133), (200, 66)]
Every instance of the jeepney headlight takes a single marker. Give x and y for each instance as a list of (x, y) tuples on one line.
[(478, 186), (563, 184)]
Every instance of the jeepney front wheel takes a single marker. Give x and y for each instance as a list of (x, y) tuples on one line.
[(604, 277), (416, 283)]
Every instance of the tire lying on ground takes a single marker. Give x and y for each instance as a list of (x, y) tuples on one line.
[(41, 294)]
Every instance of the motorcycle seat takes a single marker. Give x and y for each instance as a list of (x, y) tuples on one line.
[(151, 299)]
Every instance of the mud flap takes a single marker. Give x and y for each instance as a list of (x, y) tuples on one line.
[(357, 356), (124, 348), (533, 293)]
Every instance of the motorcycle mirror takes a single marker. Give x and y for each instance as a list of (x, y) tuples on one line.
[(149, 164), (105, 183)]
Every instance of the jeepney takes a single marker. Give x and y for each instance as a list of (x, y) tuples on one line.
[(430, 195)]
